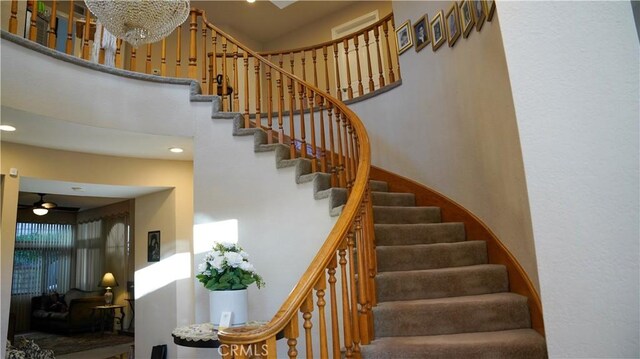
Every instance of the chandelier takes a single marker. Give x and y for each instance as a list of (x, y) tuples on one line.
[(140, 21)]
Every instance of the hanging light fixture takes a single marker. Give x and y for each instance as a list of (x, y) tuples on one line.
[(140, 21), (41, 207)]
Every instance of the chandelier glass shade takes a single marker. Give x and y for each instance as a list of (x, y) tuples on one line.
[(140, 21)]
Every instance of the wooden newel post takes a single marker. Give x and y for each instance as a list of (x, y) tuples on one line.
[(193, 49)]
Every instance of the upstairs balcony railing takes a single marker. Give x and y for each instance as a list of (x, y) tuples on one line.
[(331, 305)]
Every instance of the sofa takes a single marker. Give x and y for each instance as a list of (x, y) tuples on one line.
[(73, 313)]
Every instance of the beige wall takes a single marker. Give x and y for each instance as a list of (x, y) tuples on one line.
[(174, 217)]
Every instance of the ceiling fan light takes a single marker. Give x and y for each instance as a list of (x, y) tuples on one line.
[(40, 211)]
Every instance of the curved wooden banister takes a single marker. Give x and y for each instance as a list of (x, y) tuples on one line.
[(330, 43)]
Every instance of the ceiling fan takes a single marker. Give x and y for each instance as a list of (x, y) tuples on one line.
[(42, 207)]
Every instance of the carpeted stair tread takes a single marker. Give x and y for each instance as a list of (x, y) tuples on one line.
[(442, 282), (506, 344), (476, 313), (393, 199), (405, 215), (419, 233), (431, 256), (378, 186)]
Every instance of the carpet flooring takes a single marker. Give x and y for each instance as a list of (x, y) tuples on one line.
[(62, 344)]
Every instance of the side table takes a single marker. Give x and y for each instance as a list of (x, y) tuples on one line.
[(106, 312)]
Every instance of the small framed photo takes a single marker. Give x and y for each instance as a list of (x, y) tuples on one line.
[(478, 13), (421, 33), (466, 18), (453, 24), (437, 31), (153, 246), (490, 9), (403, 35)]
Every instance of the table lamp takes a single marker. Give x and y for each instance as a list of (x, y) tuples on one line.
[(108, 281)]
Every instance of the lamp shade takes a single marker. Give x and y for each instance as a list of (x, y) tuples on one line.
[(40, 211), (109, 280)]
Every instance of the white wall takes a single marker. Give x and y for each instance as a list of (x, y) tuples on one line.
[(279, 223), (574, 74), (451, 125)]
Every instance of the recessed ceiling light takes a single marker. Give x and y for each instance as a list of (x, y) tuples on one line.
[(251, 1), (7, 128), (78, 189), (176, 150)]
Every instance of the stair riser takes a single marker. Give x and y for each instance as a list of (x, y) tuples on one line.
[(393, 199), (393, 286), (378, 186), (450, 318), (403, 234), (405, 215), (416, 257)]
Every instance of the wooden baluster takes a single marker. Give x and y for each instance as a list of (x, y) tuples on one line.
[(368, 239), (53, 25), (323, 144), (193, 48), (225, 352), (385, 28), (269, 103), (346, 311), (326, 68), (245, 59), (268, 350), (236, 71), (133, 62), (345, 44), (163, 58), (334, 165), (303, 142), (225, 101), (280, 103), (312, 125), (291, 61), (13, 20), (70, 27), (213, 65), (346, 173), (335, 331), (203, 84), (315, 69), (340, 163), (291, 332), (258, 119), (369, 70), (292, 133), (352, 157), (101, 55), (376, 34), (353, 294), (87, 32), (179, 51), (360, 87), (363, 282), (33, 30), (335, 59), (393, 26), (118, 57), (320, 287), (306, 309), (304, 68), (147, 64)]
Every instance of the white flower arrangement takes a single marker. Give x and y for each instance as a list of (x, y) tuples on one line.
[(227, 267)]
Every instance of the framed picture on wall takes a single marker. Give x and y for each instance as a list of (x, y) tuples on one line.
[(421, 33), (437, 31), (403, 35), (478, 13), (490, 9), (453, 24), (153, 246), (466, 17)]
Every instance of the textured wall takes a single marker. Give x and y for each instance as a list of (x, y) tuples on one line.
[(574, 74)]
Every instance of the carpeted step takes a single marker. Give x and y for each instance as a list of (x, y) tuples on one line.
[(393, 199), (378, 186), (431, 256), (442, 283), (429, 233), (506, 344), (405, 215), (476, 313)]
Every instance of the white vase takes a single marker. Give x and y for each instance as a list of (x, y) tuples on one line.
[(234, 301)]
